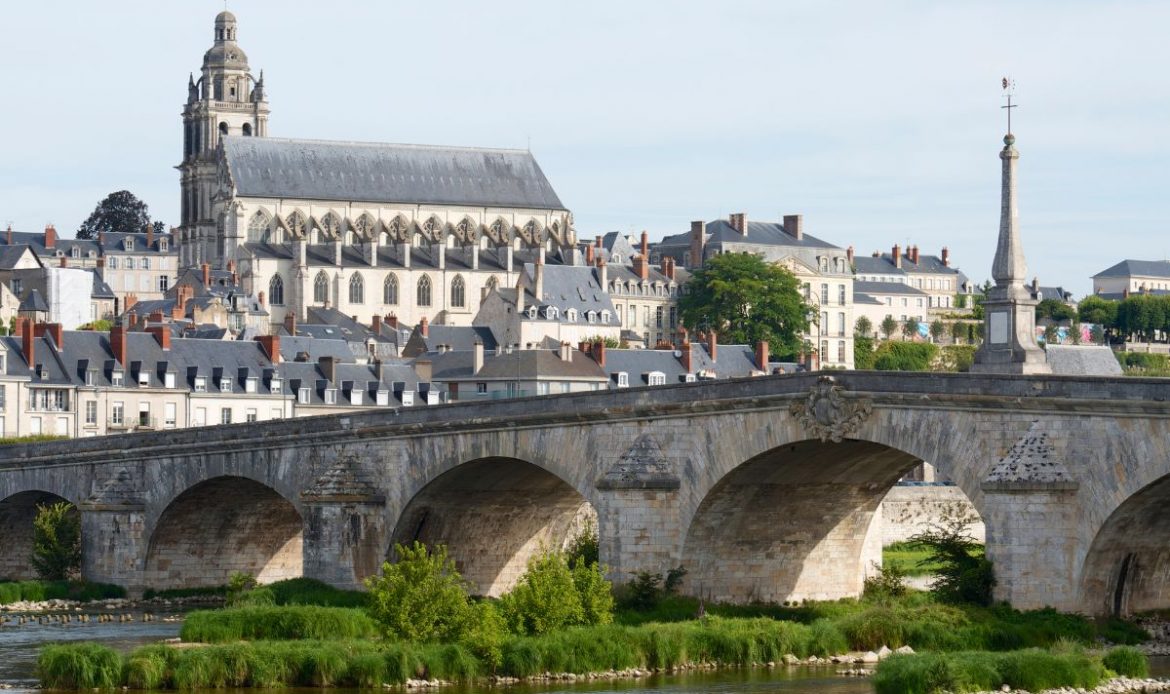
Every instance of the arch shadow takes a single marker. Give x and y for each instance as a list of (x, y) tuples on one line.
[(493, 514)]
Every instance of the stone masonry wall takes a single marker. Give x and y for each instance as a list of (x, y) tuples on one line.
[(909, 510)]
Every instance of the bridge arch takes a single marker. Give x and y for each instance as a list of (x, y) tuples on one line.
[(1127, 567), (222, 525), (17, 513), (493, 513)]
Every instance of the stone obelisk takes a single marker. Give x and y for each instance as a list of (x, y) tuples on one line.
[(1009, 311)]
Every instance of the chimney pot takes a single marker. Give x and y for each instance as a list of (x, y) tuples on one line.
[(646, 246), (392, 320), (712, 345), (946, 257), (50, 236), (896, 252)]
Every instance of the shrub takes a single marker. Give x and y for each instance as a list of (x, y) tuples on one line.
[(904, 356), (1127, 662), (643, 592), (485, 634), (79, 666), (585, 546), (546, 597), (595, 592), (238, 584), (964, 574), (57, 541), (1032, 670), (309, 591), (887, 583), (421, 597)]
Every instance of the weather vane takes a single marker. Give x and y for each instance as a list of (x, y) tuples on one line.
[(1009, 90)]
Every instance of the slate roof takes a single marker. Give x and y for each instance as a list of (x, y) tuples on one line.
[(885, 288), (34, 302), (11, 255), (884, 265), (391, 173), (1082, 360), (733, 361), (456, 337), (569, 287), (763, 233), (521, 364), (1141, 268), (1058, 293)]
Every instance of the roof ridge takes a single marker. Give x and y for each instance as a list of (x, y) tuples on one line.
[(368, 143)]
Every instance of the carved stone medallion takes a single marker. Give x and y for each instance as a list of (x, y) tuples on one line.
[(827, 414)]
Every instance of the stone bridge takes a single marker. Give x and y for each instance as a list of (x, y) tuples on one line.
[(763, 488)]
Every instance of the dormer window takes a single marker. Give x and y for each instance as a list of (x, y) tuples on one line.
[(250, 384), (225, 385), (591, 316), (163, 245), (143, 379), (116, 378), (91, 377), (75, 252), (382, 397), (623, 379), (169, 379), (129, 244), (330, 396), (571, 315), (60, 253), (689, 378), (200, 384), (274, 384), (656, 378), (408, 398), (303, 396), (552, 312), (91, 254), (355, 397), (605, 316), (531, 312)]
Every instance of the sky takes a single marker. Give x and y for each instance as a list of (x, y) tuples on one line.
[(880, 122)]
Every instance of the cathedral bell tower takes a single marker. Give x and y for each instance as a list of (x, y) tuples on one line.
[(226, 100)]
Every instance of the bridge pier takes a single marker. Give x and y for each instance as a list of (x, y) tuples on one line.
[(638, 530), (113, 537), (1032, 543), (345, 533)]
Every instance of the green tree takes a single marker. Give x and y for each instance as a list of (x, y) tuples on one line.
[(1094, 309), (904, 356), (863, 354), (937, 330), (420, 597), (1054, 309), (964, 574), (747, 300), (958, 331), (56, 552), (545, 598), (910, 328), (889, 326), (1051, 334), (120, 211), (863, 327)]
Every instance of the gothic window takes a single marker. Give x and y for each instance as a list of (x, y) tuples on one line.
[(247, 129), (357, 289), (390, 290), (276, 291), (458, 292), (365, 226), (424, 291), (296, 224), (258, 226), (321, 288)]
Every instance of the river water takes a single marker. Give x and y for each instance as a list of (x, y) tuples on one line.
[(19, 646)]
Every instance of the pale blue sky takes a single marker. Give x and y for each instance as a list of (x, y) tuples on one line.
[(879, 121)]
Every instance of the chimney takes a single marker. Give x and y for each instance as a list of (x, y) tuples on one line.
[(598, 353), (155, 317), (668, 268), (424, 327), (849, 255), (585, 347), (712, 345), (589, 255), (641, 267), (290, 323), (538, 279), (149, 236), (63, 261), (896, 254), (1035, 284), (18, 328), (698, 241), (52, 329), (235, 279), (762, 356), (477, 357), (422, 369), (738, 222), (206, 275), (376, 324), (26, 339), (914, 254), (9, 234), (686, 354), (392, 320), (946, 257), (118, 344), (133, 320), (50, 236), (597, 242), (794, 225), (328, 367), (162, 334), (131, 299), (566, 352), (645, 245), (101, 264), (602, 274), (271, 346)]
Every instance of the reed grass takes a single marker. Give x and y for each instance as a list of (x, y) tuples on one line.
[(79, 666), (36, 591), (970, 671), (293, 622)]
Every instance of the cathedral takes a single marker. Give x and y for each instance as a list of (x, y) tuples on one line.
[(369, 229)]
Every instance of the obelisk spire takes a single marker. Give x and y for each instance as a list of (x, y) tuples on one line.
[(1009, 270)]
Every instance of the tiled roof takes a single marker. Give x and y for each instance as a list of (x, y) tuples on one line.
[(1139, 268)]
